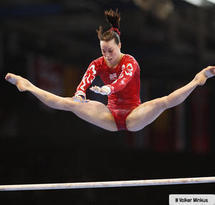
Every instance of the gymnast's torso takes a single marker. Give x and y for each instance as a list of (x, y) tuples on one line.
[(124, 83), (124, 80)]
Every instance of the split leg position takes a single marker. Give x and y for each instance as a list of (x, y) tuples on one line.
[(99, 115)]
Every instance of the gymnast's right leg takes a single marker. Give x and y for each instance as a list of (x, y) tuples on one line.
[(91, 111)]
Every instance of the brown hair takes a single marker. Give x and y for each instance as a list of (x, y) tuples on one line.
[(113, 18)]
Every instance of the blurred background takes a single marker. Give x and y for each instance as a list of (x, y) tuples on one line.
[(51, 43)]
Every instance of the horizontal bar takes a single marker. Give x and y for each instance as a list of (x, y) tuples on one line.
[(107, 184)]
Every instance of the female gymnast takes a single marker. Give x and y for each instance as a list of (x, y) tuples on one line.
[(121, 75)]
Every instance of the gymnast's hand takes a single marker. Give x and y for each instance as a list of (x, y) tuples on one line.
[(104, 90), (21, 83), (80, 99), (203, 75)]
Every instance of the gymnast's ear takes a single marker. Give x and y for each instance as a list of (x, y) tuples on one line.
[(120, 45)]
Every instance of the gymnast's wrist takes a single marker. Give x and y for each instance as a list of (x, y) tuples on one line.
[(79, 98), (80, 94)]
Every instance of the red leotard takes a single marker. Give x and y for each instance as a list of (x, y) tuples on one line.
[(124, 82)]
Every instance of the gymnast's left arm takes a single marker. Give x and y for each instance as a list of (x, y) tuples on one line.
[(126, 75)]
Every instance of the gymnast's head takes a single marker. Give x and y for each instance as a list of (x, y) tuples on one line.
[(110, 43)]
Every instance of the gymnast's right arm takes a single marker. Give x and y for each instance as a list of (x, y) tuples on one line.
[(51, 100)]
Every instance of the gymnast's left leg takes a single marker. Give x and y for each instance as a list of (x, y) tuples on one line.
[(92, 111), (147, 112)]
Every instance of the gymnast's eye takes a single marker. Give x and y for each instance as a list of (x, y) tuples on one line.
[(110, 50)]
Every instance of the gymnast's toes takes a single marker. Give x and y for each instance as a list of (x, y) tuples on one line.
[(10, 78), (209, 71)]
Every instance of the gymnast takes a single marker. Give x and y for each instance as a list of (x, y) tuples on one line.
[(121, 76)]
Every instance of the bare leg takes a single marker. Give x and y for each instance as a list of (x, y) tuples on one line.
[(147, 112), (96, 113), (92, 111)]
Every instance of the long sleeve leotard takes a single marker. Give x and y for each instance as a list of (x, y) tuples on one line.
[(124, 82)]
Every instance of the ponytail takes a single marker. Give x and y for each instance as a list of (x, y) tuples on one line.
[(113, 18)]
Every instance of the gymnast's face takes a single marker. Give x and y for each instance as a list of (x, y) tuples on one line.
[(111, 52)]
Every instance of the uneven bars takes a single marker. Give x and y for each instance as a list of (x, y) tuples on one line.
[(107, 184)]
